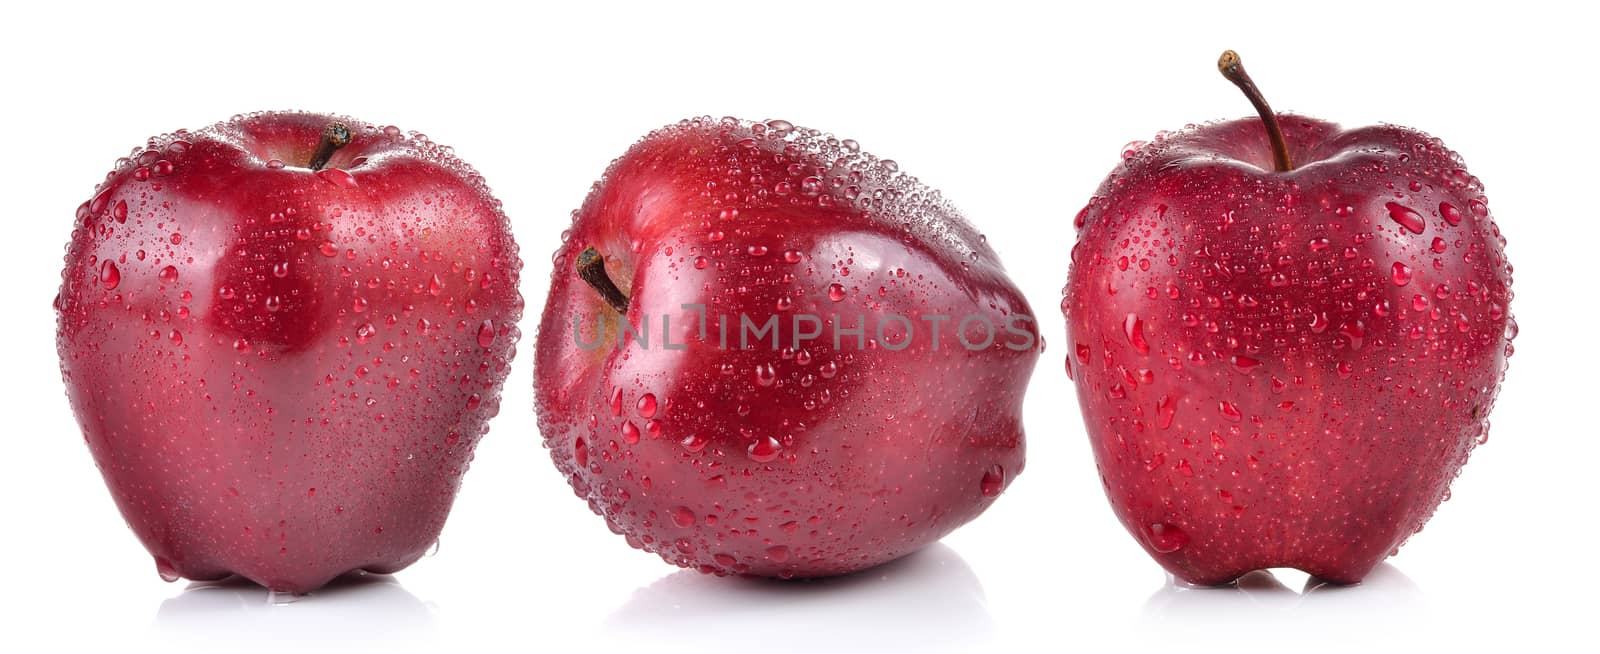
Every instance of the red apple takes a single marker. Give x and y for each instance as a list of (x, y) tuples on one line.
[(1286, 341), (282, 351), (779, 454)]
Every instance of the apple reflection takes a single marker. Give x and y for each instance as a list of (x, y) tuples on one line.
[(929, 601), (357, 608), (1262, 603)]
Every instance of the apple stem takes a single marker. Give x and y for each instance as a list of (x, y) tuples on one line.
[(336, 135), (592, 269), (1233, 69)]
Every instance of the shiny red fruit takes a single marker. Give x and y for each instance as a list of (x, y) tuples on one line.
[(776, 455), (282, 372), (1285, 369)]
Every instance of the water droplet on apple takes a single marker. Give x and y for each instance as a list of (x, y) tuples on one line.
[(766, 374), (647, 405), (168, 573), (835, 292), (994, 480), (1165, 538), (694, 442), (1407, 218), (630, 433), (1166, 408), (1400, 273), (682, 516), (1450, 213), (337, 177), (1355, 332), (486, 333), (109, 275), (98, 204), (764, 449), (1133, 328)]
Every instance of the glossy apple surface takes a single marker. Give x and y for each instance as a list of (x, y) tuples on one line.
[(778, 460), (281, 372), (1285, 369)]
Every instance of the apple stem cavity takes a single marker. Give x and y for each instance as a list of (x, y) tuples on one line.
[(592, 269), (336, 135), (1233, 69)]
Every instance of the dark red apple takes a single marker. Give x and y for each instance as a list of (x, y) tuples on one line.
[(779, 454), (283, 335), (1285, 341)]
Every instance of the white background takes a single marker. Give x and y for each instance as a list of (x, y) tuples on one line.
[(1015, 111)]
